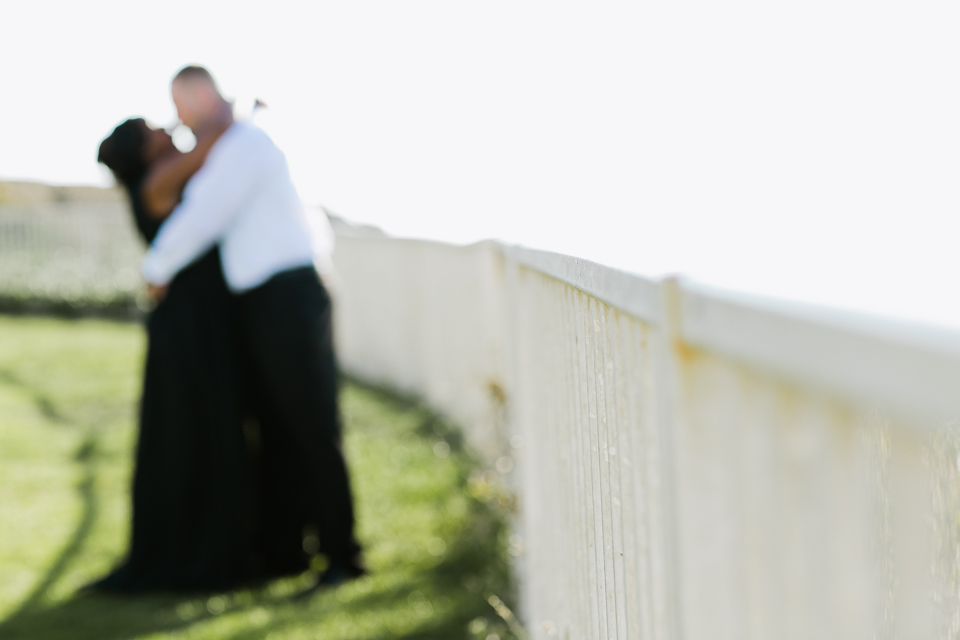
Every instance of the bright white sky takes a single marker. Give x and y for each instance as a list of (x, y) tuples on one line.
[(806, 149)]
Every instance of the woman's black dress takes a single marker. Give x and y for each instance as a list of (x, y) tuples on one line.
[(194, 489)]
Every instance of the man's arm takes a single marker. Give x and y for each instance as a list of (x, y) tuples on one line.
[(211, 202)]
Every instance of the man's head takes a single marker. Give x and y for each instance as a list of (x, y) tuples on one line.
[(196, 96)]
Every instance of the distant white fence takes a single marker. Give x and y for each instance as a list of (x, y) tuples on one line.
[(689, 463), (78, 253)]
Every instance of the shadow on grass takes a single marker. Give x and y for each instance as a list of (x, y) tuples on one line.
[(469, 570), (430, 424), (431, 598), (123, 308), (86, 488), (43, 403)]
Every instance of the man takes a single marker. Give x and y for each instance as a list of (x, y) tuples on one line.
[(244, 199)]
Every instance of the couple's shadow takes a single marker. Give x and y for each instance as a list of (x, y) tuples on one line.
[(105, 617), (255, 613), (96, 616)]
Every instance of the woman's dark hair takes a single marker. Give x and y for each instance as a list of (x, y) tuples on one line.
[(122, 152)]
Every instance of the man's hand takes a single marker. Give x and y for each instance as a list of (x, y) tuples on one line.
[(157, 292)]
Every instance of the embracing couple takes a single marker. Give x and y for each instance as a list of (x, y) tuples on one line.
[(240, 476)]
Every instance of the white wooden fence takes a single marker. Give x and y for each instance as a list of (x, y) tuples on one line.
[(689, 463), (75, 252)]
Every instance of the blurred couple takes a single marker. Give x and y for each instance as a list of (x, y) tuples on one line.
[(240, 475)]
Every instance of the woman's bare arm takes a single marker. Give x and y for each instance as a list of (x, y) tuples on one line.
[(165, 181)]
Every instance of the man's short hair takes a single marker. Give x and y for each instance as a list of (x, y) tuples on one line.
[(196, 72)]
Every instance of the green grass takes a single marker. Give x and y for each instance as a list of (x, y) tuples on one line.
[(430, 522)]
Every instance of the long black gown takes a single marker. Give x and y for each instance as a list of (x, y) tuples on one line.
[(194, 488)]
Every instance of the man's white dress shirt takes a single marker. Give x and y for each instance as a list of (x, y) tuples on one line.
[(244, 199)]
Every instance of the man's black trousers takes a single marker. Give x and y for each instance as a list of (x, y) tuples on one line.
[(288, 339)]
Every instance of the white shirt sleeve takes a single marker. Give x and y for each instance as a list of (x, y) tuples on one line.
[(212, 200)]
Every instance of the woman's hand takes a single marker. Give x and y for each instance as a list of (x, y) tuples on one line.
[(157, 292)]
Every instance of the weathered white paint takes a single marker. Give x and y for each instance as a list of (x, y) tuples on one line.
[(695, 464)]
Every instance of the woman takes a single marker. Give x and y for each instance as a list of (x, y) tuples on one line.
[(193, 490)]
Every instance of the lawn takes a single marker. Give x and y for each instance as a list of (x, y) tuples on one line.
[(431, 523)]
